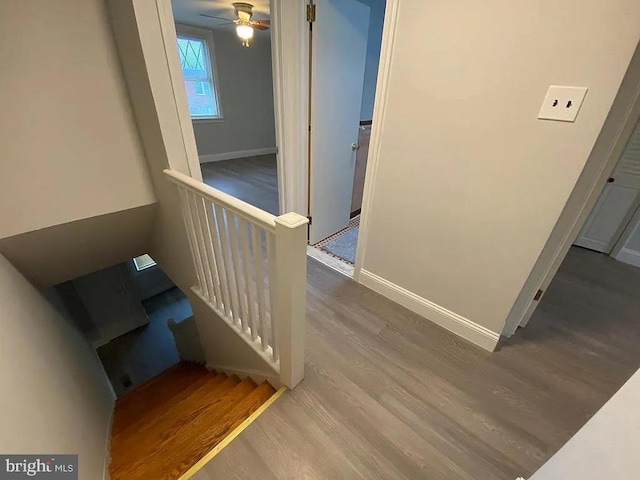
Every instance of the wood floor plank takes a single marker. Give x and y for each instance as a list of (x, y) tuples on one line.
[(388, 394)]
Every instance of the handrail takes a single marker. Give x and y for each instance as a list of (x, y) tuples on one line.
[(243, 209), (251, 271)]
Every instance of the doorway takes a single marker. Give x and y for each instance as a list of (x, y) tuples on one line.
[(578, 219), (613, 227), (345, 44), (224, 50)]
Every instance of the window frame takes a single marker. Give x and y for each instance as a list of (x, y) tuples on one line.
[(206, 36)]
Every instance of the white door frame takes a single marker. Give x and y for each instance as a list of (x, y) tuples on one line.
[(290, 50), (290, 65), (290, 62), (603, 159)]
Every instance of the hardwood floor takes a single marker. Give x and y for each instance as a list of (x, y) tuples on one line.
[(389, 395), (164, 427), (252, 179)]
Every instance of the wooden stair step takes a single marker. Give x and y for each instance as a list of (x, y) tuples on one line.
[(173, 382), (128, 449), (153, 385), (154, 389), (184, 442), (214, 429), (135, 419)]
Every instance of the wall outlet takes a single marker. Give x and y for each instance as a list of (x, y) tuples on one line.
[(562, 103)]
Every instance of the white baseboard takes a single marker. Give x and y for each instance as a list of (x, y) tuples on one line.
[(216, 157), (629, 256), (107, 452), (465, 328)]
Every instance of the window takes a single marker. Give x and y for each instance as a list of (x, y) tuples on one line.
[(202, 88), (143, 262), (194, 47)]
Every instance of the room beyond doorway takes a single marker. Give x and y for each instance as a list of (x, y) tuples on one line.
[(252, 179)]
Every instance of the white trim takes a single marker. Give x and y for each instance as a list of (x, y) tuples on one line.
[(257, 376), (107, 449), (216, 157), (461, 326), (626, 233), (629, 256), (290, 65), (170, 40), (598, 169), (332, 262), (379, 108)]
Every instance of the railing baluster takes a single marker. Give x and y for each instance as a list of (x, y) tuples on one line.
[(234, 244), (210, 273), (237, 268), (206, 269), (271, 264), (191, 231), (220, 265), (221, 222), (244, 227), (258, 264)]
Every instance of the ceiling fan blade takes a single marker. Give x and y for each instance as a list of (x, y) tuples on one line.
[(230, 20), (264, 22), (260, 27)]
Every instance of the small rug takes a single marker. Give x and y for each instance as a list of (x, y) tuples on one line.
[(342, 245)]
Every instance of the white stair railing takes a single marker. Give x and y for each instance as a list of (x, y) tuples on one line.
[(251, 269)]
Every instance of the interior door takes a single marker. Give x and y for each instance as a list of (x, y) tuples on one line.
[(616, 204), (338, 54)]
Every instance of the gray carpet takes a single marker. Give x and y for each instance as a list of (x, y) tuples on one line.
[(344, 246)]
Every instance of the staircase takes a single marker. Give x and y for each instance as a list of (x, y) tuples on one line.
[(165, 426)]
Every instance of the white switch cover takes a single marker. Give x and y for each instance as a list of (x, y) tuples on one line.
[(562, 103)]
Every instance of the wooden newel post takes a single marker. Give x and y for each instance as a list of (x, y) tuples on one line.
[(291, 295)]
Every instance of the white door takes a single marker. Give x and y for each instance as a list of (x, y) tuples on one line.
[(339, 48), (617, 203)]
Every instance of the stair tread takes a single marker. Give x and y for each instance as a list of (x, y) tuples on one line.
[(182, 411), (146, 412), (178, 380), (185, 441), (154, 385)]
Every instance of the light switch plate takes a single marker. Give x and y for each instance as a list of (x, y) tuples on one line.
[(562, 103)]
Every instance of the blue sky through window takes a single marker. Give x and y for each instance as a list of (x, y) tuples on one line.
[(196, 68)]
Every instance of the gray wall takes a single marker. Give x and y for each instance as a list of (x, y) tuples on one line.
[(56, 397), (245, 86), (68, 140), (376, 20), (487, 179), (150, 281)]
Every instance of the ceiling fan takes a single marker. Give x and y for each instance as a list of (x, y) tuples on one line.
[(243, 22)]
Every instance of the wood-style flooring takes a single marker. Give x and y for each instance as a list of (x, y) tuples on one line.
[(252, 179), (164, 427), (389, 395)]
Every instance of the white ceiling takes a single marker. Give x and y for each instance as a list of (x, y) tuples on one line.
[(188, 12)]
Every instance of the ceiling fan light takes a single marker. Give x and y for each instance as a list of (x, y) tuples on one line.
[(245, 32)]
